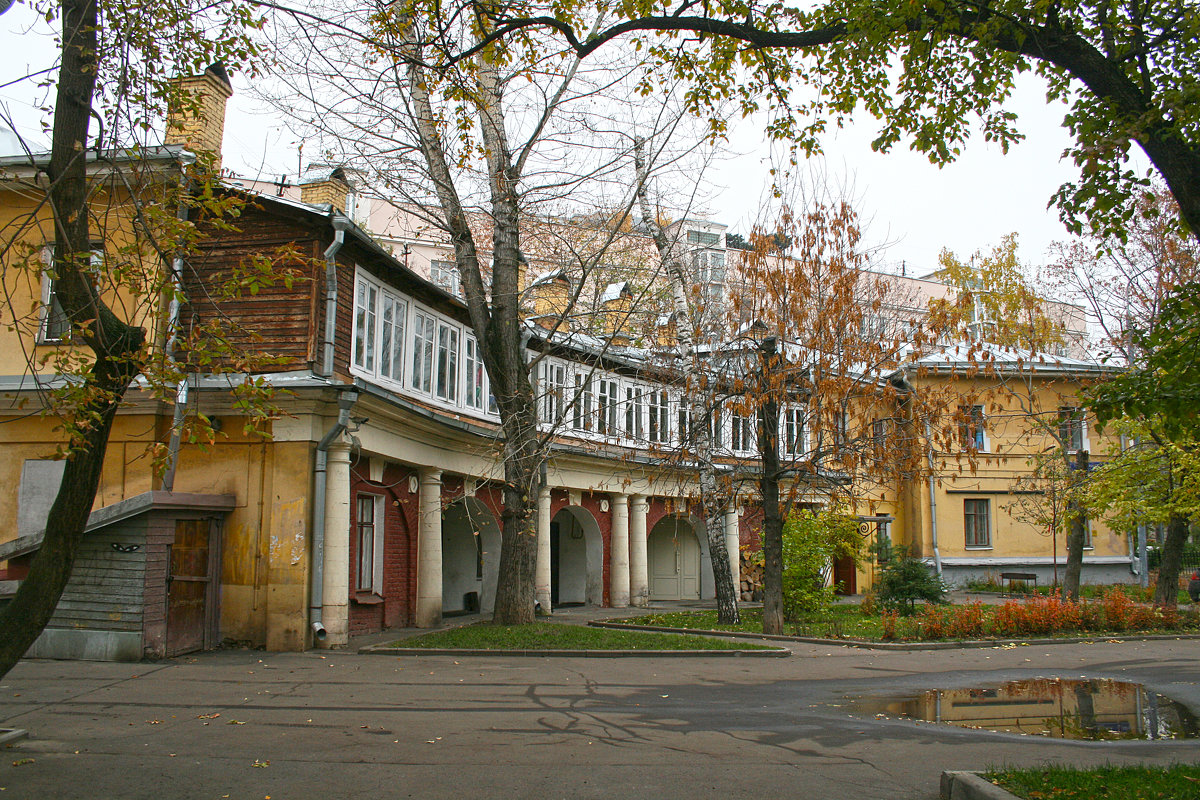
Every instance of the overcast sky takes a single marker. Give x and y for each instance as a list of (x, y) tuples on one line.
[(915, 207)]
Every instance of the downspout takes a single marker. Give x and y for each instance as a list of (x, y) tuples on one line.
[(340, 225), (181, 390), (346, 400), (937, 553)]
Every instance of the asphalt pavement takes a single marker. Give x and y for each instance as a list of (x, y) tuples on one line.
[(250, 724)]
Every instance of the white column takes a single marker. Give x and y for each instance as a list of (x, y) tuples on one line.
[(429, 550), (618, 567), (541, 575), (335, 575), (733, 546), (639, 578)]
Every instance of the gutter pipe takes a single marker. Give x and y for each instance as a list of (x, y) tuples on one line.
[(933, 526), (347, 397), (340, 224)]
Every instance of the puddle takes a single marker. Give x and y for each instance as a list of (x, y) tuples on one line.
[(1096, 710)]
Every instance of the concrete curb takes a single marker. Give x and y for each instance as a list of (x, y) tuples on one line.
[(971, 786), (10, 735), (869, 645), (387, 650)]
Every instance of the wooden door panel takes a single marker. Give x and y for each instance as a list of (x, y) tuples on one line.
[(187, 587), (664, 574)]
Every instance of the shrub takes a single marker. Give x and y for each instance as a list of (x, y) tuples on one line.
[(869, 606), (904, 580), (931, 624), (1007, 619), (966, 622), (812, 541), (1091, 617), (888, 622), (1117, 609)]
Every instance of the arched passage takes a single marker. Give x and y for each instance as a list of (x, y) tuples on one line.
[(677, 560), (470, 557), (576, 559)]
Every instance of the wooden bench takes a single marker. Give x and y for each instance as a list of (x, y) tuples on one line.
[(1019, 576)]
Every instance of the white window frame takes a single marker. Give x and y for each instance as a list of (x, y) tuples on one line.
[(581, 403), (378, 535), (554, 392), (607, 399), (968, 433), (743, 437), (365, 324), (635, 410), (56, 328), (716, 427), (794, 441), (447, 362), (475, 377), (1072, 416), (658, 407), (424, 343), (445, 275), (683, 418), (391, 343), (701, 238), (53, 327)]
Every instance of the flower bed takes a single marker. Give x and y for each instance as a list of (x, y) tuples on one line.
[(1114, 612)]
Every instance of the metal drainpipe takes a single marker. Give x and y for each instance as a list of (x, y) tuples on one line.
[(181, 390), (346, 400), (340, 225), (937, 554)]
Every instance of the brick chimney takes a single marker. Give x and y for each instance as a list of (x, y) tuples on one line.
[(616, 305), (551, 297), (198, 122), (325, 184)]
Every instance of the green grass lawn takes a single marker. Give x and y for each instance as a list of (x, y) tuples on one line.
[(842, 621), (561, 636), (1087, 591), (1177, 782), (849, 622)]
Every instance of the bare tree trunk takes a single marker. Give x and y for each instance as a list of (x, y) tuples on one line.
[(515, 595), (713, 498), (715, 502), (1076, 533), (117, 346), (772, 530), (496, 320), (33, 605), (1166, 588)]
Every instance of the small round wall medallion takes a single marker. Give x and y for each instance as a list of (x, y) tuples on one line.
[(413, 484), (604, 506)]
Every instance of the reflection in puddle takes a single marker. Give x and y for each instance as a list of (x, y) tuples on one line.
[(1064, 709)]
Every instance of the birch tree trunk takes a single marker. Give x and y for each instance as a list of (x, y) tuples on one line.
[(699, 395)]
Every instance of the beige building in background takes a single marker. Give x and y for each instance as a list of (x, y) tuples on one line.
[(375, 501)]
